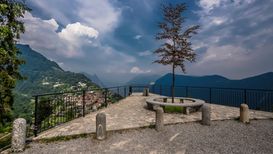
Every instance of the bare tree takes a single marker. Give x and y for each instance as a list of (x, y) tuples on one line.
[(177, 47)]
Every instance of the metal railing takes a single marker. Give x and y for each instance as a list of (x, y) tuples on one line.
[(257, 99), (56, 108)]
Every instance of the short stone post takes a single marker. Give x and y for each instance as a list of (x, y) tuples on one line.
[(244, 113), (186, 110), (206, 115), (101, 126), (18, 140), (159, 121), (146, 92), (94, 108)]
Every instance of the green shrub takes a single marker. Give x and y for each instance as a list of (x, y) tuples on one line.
[(173, 109)]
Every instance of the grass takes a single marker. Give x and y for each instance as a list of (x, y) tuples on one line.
[(63, 138), (173, 109), (5, 140)]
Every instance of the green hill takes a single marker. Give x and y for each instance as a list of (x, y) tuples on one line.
[(43, 76)]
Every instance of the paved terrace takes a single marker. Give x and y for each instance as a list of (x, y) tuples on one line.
[(131, 112)]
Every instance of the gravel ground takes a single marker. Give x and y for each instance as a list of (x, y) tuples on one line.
[(221, 137)]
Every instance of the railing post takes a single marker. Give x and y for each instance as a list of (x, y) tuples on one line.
[(118, 92), (245, 96), (160, 90), (124, 91), (130, 90), (209, 95), (83, 103), (105, 97), (187, 91), (36, 117)]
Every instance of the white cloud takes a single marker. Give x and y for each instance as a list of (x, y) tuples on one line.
[(209, 5), (137, 37), (43, 35), (76, 30), (72, 47), (51, 22), (137, 70), (221, 54), (99, 14), (232, 42), (145, 53)]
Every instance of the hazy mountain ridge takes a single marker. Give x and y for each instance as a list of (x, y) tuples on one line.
[(95, 79), (262, 81), (143, 79)]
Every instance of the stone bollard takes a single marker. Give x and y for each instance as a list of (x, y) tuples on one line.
[(206, 115), (146, 92), (159, 121), (186, 110), (244, 113), (18, 140), (94, 108), (101, 126)]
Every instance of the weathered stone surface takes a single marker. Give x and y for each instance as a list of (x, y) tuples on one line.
[(206, 114), (159, 121), (146, 92), (18, 135), (101, 126), (244, 113)]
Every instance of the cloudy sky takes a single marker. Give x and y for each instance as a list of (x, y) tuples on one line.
[(115, 38)]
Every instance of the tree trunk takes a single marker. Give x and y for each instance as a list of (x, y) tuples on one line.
[(173, 85)]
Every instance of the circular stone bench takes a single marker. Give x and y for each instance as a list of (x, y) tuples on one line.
[(154, 102)]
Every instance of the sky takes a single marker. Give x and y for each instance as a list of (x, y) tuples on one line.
[(115, 39)]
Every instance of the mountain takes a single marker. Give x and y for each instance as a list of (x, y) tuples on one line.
[(95, 79), (263, 81), (143, 79), (42, 76)]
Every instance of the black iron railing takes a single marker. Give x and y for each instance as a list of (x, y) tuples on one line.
[(257, 99), (56, 108)]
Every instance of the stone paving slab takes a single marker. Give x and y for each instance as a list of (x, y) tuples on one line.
[(131, 112)]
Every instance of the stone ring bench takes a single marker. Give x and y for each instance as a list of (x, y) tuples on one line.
[(191, 104)]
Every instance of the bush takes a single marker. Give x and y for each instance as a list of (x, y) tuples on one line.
[(173, 109)]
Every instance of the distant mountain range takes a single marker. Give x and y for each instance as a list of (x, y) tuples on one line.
[(263, 81), (95, 79), (143, 79)]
